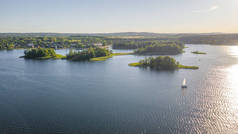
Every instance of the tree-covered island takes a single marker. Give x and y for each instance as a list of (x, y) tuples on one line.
[(87, 54), (161, 63), (92, 54), (41, 54)]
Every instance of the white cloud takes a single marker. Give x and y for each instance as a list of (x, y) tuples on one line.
[(212, 8)]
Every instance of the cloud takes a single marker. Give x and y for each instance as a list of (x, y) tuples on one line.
[(212, 8)]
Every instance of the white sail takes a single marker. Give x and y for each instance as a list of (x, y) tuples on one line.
[(184, 82)]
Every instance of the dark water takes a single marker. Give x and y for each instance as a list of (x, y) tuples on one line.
[(109, 97)]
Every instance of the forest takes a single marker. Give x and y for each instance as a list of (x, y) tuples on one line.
[(161, 63), (37, 53), (139, 43), (160, 49), (9, 41), (87, 54)]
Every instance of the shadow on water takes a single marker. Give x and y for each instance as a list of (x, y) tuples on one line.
[(155, 71)]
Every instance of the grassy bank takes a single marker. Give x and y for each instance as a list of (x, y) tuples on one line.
[(109, 56), (197, 52), (137, 64), (187, 67), (58, 56)]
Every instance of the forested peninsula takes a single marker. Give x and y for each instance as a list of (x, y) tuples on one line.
[(160, 49)]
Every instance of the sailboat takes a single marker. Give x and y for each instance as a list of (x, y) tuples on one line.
[(184, 83)]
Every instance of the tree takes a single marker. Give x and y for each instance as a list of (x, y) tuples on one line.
[(39, 52), (160, 63)]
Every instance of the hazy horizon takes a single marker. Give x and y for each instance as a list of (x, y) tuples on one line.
[(111, 32), (113, 16)]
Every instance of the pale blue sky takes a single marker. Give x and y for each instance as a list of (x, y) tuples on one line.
[(99, 16)]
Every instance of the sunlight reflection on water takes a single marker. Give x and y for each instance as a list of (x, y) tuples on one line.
[(232, 51), (224, 94), (232, 84)]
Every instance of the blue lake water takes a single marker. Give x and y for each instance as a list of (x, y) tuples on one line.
[(109, 97)]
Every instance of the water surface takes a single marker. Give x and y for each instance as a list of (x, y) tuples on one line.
[(109, 97)]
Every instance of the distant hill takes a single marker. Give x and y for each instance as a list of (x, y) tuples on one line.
[(214, 39), (188, 38), (144, 34)]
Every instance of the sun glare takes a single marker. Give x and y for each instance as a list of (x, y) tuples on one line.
[(232, 51)]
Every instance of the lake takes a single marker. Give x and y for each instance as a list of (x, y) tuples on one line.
[(109, 97)]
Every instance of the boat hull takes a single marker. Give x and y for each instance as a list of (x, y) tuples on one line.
[(184, 86)]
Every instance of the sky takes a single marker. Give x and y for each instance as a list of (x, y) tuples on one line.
[(107, 16)]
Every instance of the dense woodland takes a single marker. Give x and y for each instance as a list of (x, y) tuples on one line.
[(189, 38), (87, 54), (161, 63), (139, 43), (160, 49), (39, 52), (10, 41), (216, 39)]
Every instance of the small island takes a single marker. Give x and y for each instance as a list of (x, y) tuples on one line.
[(161, 63), (160, 49), (41, 54), (198, 52), (87, 54), (92, 54)]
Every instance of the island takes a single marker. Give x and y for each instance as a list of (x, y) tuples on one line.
[(41, 54), (198, 52), (92, 54), (161, 63)]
